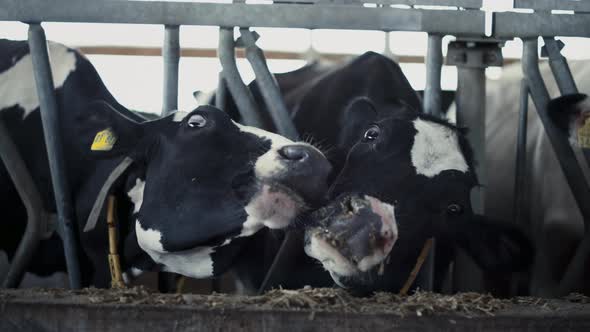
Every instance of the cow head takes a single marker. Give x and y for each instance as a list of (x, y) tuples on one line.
[(206, 181), (406, 178)]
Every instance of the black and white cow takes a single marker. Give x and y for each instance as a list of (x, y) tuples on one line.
[(199, 185), (400, 177)]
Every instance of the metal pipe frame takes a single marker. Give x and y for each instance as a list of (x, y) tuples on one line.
[(432, 105), (51, 131), (520, 211), (325, 16), (576, 5), (268, 87), (36, 224), (434, 62), (568, 163), (221, 93), (559, 67), (532, 25), (239, 91), (171, 57), (471, 113)]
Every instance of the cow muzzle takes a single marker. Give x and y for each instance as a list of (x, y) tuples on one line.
[(352, 235), (305, 171)]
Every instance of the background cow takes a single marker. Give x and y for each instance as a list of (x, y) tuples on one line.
[(554, 221), (199, 184)]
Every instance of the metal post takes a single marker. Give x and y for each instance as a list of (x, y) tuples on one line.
[(33, 204), (171, 55), (471, 59), (239, 91), (51, 131), (434, 61), (471, 112), (520, 209), (268, 87), (559, 67), (432, 105), (221, 93)]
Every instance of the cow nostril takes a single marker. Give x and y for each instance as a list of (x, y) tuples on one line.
[(294, 152)]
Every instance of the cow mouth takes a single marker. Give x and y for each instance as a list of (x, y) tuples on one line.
[(352, 235)]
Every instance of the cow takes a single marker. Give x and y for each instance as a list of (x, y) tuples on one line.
[(552, 214), (197, 186), (400, 177)]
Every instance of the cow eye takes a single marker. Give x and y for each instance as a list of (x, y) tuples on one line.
[(197, 121), (454, 209), (371, 134)]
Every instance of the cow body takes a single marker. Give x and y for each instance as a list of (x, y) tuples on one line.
[(552, 214), (191, 197), (392, 164)]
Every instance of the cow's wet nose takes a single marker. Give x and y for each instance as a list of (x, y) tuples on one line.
[(294, 152), (308, 171)]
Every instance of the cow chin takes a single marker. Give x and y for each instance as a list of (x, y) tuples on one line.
[(196, 262), (351, 236), (274, 206)]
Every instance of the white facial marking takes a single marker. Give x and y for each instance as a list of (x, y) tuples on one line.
[(268, 165), (17, 83), (436, 149), (136, 194), (179, 116), (273, 209), (195, 263), (330, 258)]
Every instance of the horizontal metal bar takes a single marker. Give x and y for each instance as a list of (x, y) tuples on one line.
[(453, 3), (582, 6), (247, 15), (508, 25)]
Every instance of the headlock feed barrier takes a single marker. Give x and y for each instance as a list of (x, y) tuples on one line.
[(479, 36)]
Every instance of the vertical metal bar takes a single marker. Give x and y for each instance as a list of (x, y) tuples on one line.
[(471, 113), (432, 106), (434, 61), (268, 87), (221, 93), (171, 55), (520, 209), (239, 91), (51, 131), (31, 199), (563, 150), (559, 67)]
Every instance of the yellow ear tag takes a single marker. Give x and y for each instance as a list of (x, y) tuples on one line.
[(584, 134), (104, 140)]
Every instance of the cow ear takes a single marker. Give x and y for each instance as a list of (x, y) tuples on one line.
[(105, 132), (359, 114), (496, 247)]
